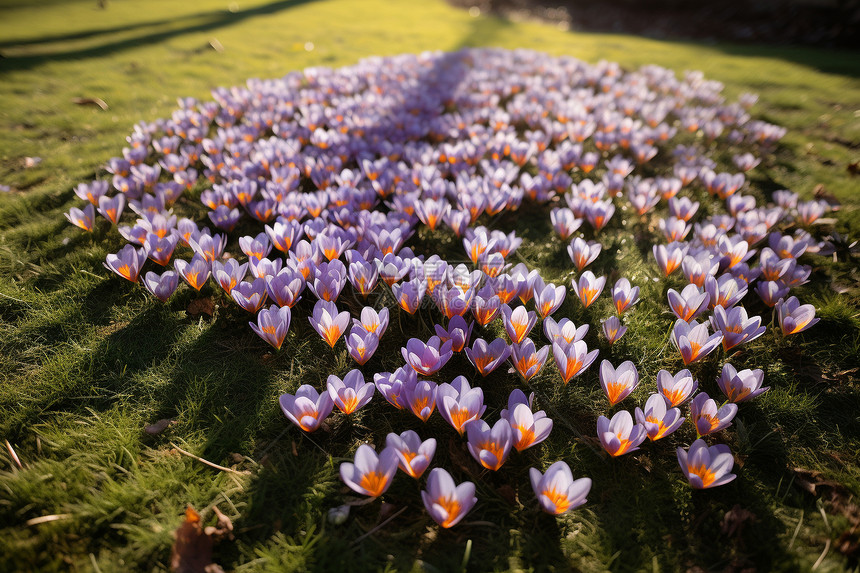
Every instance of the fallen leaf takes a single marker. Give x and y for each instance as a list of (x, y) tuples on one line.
[(853, 168), (192, 549), (201, 306), (97, 101), (158, 427), (507, 493), (734, 521)]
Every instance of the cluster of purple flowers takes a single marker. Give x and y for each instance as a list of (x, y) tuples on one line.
[(341, 167)]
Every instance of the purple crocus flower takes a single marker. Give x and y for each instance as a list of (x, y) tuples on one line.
[(111, 207), (458, 403), (548, 297), (693, 340), (657, 420), (676, 389), (161, 286), (284, 288), (697, 267), (708, 417), (572, 358), (683, 208), (583, 253), (427, 358), (725, 291), (258, 246), (272, 325), (458, 332), (624, 296), (674, 229), (328, 322), (689, 303), (669, 257), (786, 246), (392, 268), (284, 233), (485, 306), (432, 211), (809, 211), (556, 490), (361, 344), (127, 262), (706, 466), (454, 301), (771, 292), (208, 246), (613, 330), (92, 191), (371, 474), (518, 322), (372, 321), (598, 213), (329, 280), (420, 397), (392, 385), (618, 383), (250, 295), (588, 287), (83, 218), (773, 267), (620, 435), (741, 386), (351, 393), (525, 280), (446, 502), (413, 455), (409, 294), (308, 408), (563, 331), (528, 428), (487, 357), (736, 327), (262, 268), (158, 249), (489, 446), (224, 217), (527, 360), (793, 316), (363, 276)]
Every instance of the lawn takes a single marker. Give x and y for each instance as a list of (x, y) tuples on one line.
[(87, 361)]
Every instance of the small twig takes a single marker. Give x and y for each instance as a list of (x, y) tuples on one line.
[(380, 526), (47, 518), (15, 299), (14, 455), (97, 101), (822, 556), (208, 463), (95, 563)]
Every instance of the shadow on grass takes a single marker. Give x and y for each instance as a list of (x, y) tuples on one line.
[(211, 21)]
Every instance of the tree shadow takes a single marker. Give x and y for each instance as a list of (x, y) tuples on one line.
[(211, 21)]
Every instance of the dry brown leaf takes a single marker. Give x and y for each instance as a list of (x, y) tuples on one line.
[(201, 306), (97, 101), (158, 427), (192, 550)]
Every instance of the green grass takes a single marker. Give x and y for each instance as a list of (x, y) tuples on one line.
[(87, 360)]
